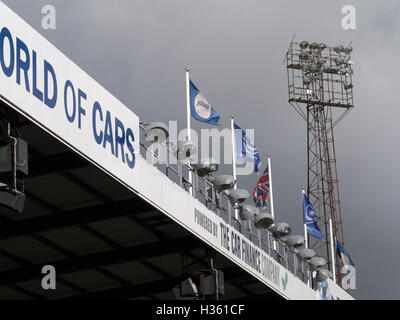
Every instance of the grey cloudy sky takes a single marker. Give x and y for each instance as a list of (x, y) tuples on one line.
[(138, 50)]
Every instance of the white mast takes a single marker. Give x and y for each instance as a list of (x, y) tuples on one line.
[(188, 121), (234, 157)]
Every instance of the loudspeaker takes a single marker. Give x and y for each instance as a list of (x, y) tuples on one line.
[(188, 288), (7, 155), (208, 283), (12, 199)]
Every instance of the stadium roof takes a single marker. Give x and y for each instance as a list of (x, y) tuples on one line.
[(103, 240)]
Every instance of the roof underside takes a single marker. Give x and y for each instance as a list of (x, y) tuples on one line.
[(103, 240)]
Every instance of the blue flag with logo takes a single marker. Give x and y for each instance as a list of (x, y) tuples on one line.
[(245, 149), (310, 219), (342, 253), (200, 109)]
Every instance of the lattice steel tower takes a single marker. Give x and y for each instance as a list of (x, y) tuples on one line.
[(321, 91)]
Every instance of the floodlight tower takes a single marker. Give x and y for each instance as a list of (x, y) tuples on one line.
[(321, 91)]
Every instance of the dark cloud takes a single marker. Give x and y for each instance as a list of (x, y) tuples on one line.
[(138, 50)]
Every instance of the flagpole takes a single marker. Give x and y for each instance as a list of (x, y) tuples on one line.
[(188, 121), (234, 157), (270, 186), (271, 190), (303, 191), (233, 150), (332, 250)]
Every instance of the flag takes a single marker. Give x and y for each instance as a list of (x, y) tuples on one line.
[(342, 253), (200, 108), (261, 190), (245, 149), (310, 219)]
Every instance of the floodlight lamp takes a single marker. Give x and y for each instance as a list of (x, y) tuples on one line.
[(320, 62), (305, 254), (156, 132), (314, 46), (186, 151), (348, 50), (316, 262), (294, 241), (247, 211), (323, 275), (280, 230), (206, 167), (303, 56), (321, 46), (303, 45), (224, 182), (263, 220), (307, 68), (307, 80), (315, 68), (339, 49), (347, 86), (237, 196)]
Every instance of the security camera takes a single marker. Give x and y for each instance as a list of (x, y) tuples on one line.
[(206, 167), (305, 254), (280, 230), (294, 241), (322, 275), (186, 151), (223, 182), (316, 262), (156, 132), (238, 196), (247, 211), (263, 220)]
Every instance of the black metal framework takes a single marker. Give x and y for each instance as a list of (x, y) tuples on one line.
[(321, 91)]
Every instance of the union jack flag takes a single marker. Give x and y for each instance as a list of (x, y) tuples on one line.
[(261, 190)]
